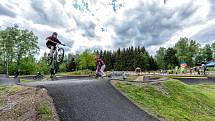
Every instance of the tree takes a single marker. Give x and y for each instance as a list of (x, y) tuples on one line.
[(42, 66), (144, 58), (72, 62), (26, 44), (152, 63), (160, 57), (186, 50), (207, 52), (16, 44), (170, 59), (213, 49), (6, 46), (87, 60), (107, 58), (118, 60), (28, 65)]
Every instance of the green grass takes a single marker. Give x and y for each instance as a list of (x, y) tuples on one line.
[(77, 73), (130, 78), (174, 100), (45, 111), (180, 76), (9, 89), (25, 81)]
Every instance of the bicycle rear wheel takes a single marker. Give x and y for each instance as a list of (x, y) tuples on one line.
[(60, 55), (49, 60)]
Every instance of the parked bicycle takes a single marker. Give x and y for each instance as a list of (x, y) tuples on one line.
[(39, 76)]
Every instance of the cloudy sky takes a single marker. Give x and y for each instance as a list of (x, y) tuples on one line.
[(110, 24)]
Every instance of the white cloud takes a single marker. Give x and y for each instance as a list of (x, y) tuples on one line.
[(97, 25)]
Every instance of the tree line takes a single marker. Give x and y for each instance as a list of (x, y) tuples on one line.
[(128, 59), (184, 51)]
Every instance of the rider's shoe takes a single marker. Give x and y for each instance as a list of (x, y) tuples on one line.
[(50, 55), (104, 75)]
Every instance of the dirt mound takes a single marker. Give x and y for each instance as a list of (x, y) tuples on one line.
[(24, 105)]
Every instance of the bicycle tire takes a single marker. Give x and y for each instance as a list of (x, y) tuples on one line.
[(49, 61), (35, 78), (60, 56)]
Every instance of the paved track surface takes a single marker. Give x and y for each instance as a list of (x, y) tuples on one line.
[(210, 80), (91, 100)]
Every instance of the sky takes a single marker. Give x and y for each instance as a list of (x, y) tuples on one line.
[(112, 24)]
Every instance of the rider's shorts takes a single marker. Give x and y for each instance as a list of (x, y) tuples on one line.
[(48, 44)]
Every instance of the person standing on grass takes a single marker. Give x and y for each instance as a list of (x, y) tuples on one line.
[(205, 68), (191, 71), (100, 66), (17, 73), (198, 70)]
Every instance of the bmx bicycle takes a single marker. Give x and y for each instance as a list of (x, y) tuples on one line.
[(39, 76), (99, 75), (55, 60)]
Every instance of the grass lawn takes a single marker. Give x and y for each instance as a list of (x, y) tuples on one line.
[(77, 73), (173, 100), (180, 76), (130, 78), (25, 81)]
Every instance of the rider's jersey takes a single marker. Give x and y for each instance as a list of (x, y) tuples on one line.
[(53, 39), (100, 62)]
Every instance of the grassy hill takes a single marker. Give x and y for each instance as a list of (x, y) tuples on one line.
[(173, 100)]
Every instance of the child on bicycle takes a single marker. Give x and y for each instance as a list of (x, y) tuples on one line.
[(52, 42), (100, 66)]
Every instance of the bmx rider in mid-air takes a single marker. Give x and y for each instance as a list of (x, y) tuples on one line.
[(51, 43)]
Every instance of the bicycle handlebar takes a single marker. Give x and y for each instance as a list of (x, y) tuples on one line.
[(56, 42)]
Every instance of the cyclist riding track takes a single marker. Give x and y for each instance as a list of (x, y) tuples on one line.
[(91, 100)]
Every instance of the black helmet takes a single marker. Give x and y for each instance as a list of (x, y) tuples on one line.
[(54, 33)]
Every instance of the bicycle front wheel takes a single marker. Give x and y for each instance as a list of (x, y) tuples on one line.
[(60, 55)]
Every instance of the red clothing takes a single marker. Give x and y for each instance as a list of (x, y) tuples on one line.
[(53, 39), (100, 62)]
